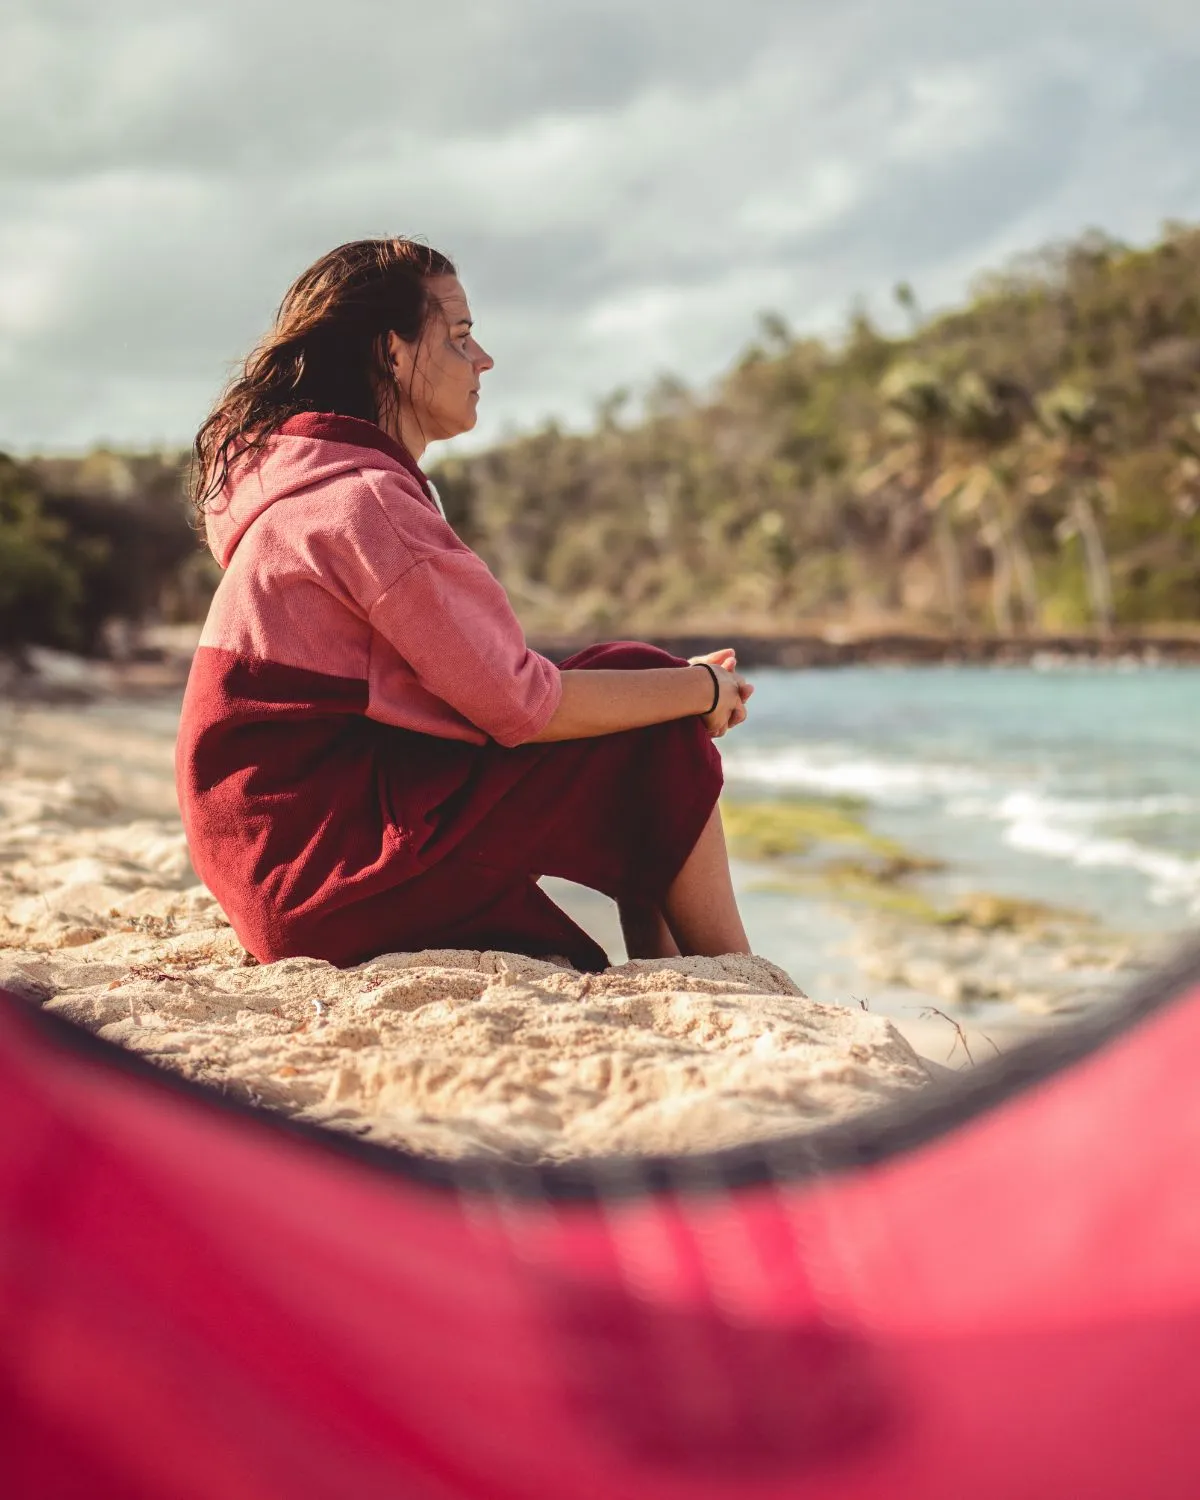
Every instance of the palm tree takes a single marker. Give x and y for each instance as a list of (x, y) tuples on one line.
[(1184, 482), (987, 415), (918, 397), (1069, 459)]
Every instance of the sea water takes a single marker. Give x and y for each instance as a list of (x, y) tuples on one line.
[(1075, 785), (1078, 786)]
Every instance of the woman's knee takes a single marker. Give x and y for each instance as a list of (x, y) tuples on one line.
[(622, 655)]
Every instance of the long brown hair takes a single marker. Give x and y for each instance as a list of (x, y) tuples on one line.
[(327, 351)]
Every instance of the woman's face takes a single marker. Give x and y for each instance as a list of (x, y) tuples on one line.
[(438, 377)]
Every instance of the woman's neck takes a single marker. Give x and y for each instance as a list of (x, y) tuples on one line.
[(403, 428)]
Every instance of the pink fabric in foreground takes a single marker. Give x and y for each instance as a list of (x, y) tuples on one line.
[(196, 1304)]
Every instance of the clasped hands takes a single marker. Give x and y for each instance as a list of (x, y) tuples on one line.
[(735, 691)]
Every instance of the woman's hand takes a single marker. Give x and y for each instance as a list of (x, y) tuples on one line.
[(734, 692)]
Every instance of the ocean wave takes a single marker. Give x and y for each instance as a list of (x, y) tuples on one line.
[(849, 774), (1066, 829), (1077, 809)]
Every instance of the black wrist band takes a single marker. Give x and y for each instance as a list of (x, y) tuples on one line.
[(712, 672)]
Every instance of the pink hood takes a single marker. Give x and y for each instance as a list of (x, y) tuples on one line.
[(308, 450), (343, 575)]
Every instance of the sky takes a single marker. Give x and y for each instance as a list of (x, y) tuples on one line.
[(624, 186)]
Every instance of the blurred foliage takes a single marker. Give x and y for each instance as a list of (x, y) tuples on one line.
[(40, 590), (1028, 462), (86, 542)]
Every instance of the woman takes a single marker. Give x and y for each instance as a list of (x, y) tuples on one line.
[(370, 758)]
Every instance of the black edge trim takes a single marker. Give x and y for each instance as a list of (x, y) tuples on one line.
[(864, 1141)]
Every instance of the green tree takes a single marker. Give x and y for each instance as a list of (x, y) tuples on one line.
[(1071, 465), (40, 590), (919, 398)]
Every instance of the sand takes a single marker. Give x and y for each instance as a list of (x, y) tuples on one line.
[(446, 1053)]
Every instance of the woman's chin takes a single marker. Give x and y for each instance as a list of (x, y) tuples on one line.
[(446, 426)]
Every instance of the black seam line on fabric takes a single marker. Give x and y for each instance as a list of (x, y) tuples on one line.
[(868, 1140)]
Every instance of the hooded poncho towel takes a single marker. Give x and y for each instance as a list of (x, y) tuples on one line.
[(353, 763)]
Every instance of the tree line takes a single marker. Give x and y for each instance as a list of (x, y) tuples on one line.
[(1027, 462)]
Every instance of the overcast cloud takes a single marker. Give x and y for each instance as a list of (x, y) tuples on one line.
[(623, 185)]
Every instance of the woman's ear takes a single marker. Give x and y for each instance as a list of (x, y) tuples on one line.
[(400, 357)]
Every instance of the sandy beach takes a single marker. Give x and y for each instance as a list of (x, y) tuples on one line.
[(449, 1053), (102, 919)]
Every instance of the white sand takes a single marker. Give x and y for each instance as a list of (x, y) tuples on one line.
[(447, 1053)]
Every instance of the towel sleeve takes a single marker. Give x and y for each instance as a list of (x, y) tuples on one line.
[(451, 621)]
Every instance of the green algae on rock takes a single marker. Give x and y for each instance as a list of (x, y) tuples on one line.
[(793, 827)]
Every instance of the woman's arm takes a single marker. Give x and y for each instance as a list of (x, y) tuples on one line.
[(451, 622), (605, 702)]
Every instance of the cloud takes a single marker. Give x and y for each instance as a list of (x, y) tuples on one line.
[(623, 186)]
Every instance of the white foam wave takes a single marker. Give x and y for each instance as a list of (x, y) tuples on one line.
[(1058, 829), (1091, 810), (829, 770), (1066, 828)]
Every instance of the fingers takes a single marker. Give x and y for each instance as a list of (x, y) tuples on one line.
[(717, 727), (734, 695)]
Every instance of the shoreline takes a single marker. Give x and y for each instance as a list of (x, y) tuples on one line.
[(159, 664), (834, 648), (999, 976)]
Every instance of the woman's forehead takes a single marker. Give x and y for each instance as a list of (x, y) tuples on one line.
[(448, 293)]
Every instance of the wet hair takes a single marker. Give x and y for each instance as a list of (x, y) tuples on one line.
[(327, 351)]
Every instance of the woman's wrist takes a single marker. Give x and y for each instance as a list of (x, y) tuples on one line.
[(714, 682)]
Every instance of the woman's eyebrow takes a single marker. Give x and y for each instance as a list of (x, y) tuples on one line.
[(463, 323)]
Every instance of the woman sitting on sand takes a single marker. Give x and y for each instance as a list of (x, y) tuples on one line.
[(370, 757)]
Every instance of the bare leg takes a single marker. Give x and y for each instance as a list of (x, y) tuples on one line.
[(701, 908), (646, 932)]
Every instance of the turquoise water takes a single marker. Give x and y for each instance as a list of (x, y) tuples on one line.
[(1078, 785)]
